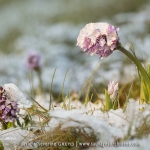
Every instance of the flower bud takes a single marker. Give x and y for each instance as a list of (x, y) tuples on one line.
[(113, 90), (33, 60)]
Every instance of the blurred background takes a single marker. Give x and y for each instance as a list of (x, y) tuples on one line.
[(51, 28)]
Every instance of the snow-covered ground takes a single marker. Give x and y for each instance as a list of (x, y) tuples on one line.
[(108, 127)]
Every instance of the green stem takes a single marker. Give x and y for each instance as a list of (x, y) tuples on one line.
[(39, 73), (136, 62)]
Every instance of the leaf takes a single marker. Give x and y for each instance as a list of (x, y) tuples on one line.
[(144, 89), (1, 145), (115, 104), (108, 103), (127, 98), (10, 124), (144, 92), (18, 122), (27, 120)]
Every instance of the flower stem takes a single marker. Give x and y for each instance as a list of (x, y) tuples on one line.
[(39, 74), (136, 62)]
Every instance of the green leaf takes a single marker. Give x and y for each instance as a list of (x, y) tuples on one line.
[(148, 69), (1, 145), (18, 122), (27, 120), (144, 89), (127, 98), (10, 124), (108, 103), (115, 104), (144, 92)]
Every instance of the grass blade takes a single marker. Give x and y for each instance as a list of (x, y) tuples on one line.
[(51, 89), (128, 96)]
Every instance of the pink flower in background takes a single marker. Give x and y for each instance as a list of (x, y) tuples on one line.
[(98, 38), (33, 60), (113, 89)]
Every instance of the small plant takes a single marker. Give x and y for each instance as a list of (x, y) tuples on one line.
[(33, 63), (9, 110), (111, 96)]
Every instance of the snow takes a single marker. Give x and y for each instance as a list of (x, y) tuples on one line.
[(12, 137), (107, 126), (76, 118)]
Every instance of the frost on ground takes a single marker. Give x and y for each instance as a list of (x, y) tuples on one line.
[(109, 126)]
